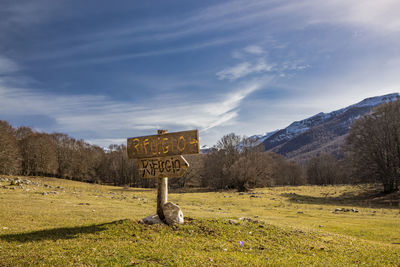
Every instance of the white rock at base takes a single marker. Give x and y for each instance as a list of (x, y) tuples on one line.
[(152, 219), (173, 214)]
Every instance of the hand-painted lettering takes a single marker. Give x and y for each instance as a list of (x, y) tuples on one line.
[(181, 143), (165, 147), (168, 144)]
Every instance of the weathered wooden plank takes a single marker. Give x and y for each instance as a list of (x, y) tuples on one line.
[(166, 144), (171, 167)]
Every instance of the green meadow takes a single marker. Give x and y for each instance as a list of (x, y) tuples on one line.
[(59, 222)]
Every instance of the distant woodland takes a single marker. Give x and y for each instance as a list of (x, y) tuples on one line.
[(371, 154)]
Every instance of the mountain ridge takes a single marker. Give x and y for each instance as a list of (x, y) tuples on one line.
[(322, 132)]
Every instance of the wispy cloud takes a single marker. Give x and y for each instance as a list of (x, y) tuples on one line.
[(158, 52), (243, 69), (111, 119), (7, 65), (375, 15), (236, 18), (24, 14), (254, 49)]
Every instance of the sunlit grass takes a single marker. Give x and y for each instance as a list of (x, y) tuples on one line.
[(86, 224)]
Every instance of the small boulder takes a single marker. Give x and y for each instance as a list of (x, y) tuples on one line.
[(248, 220), (234, 222), (152, 219), (172, 213)]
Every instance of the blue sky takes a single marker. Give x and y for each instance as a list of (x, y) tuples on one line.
[(104, 71)]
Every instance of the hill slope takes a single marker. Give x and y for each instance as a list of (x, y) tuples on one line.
[(323, 132)]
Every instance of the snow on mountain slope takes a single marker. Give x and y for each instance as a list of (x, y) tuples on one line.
[(298, 127), (312, 132)]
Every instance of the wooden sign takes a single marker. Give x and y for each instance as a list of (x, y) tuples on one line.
[(171, 167), (162, 145)]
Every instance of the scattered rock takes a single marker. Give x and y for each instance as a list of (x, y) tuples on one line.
[(173, 214), (300, 212), (241, 193), (248, 219), (320, 225), (152, 219), (254, 195), (44, 193), (234, 222), (83, 204), (346, 210)]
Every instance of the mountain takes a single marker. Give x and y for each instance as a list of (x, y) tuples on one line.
[(323, 132), (205, 149)]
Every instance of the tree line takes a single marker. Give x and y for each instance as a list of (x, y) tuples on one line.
[(24, 151), (371, 154)]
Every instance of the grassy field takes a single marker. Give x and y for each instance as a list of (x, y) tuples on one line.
[(58, 222)]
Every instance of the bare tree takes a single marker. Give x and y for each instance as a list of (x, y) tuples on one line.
[(286, 172), (240, 163), (251, 170), (374, 144), (219, 160), (38, 154), (324, 169), (10, 157)]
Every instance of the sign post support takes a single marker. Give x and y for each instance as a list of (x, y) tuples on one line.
[(162, 189), (160, 157), (162, 196)]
